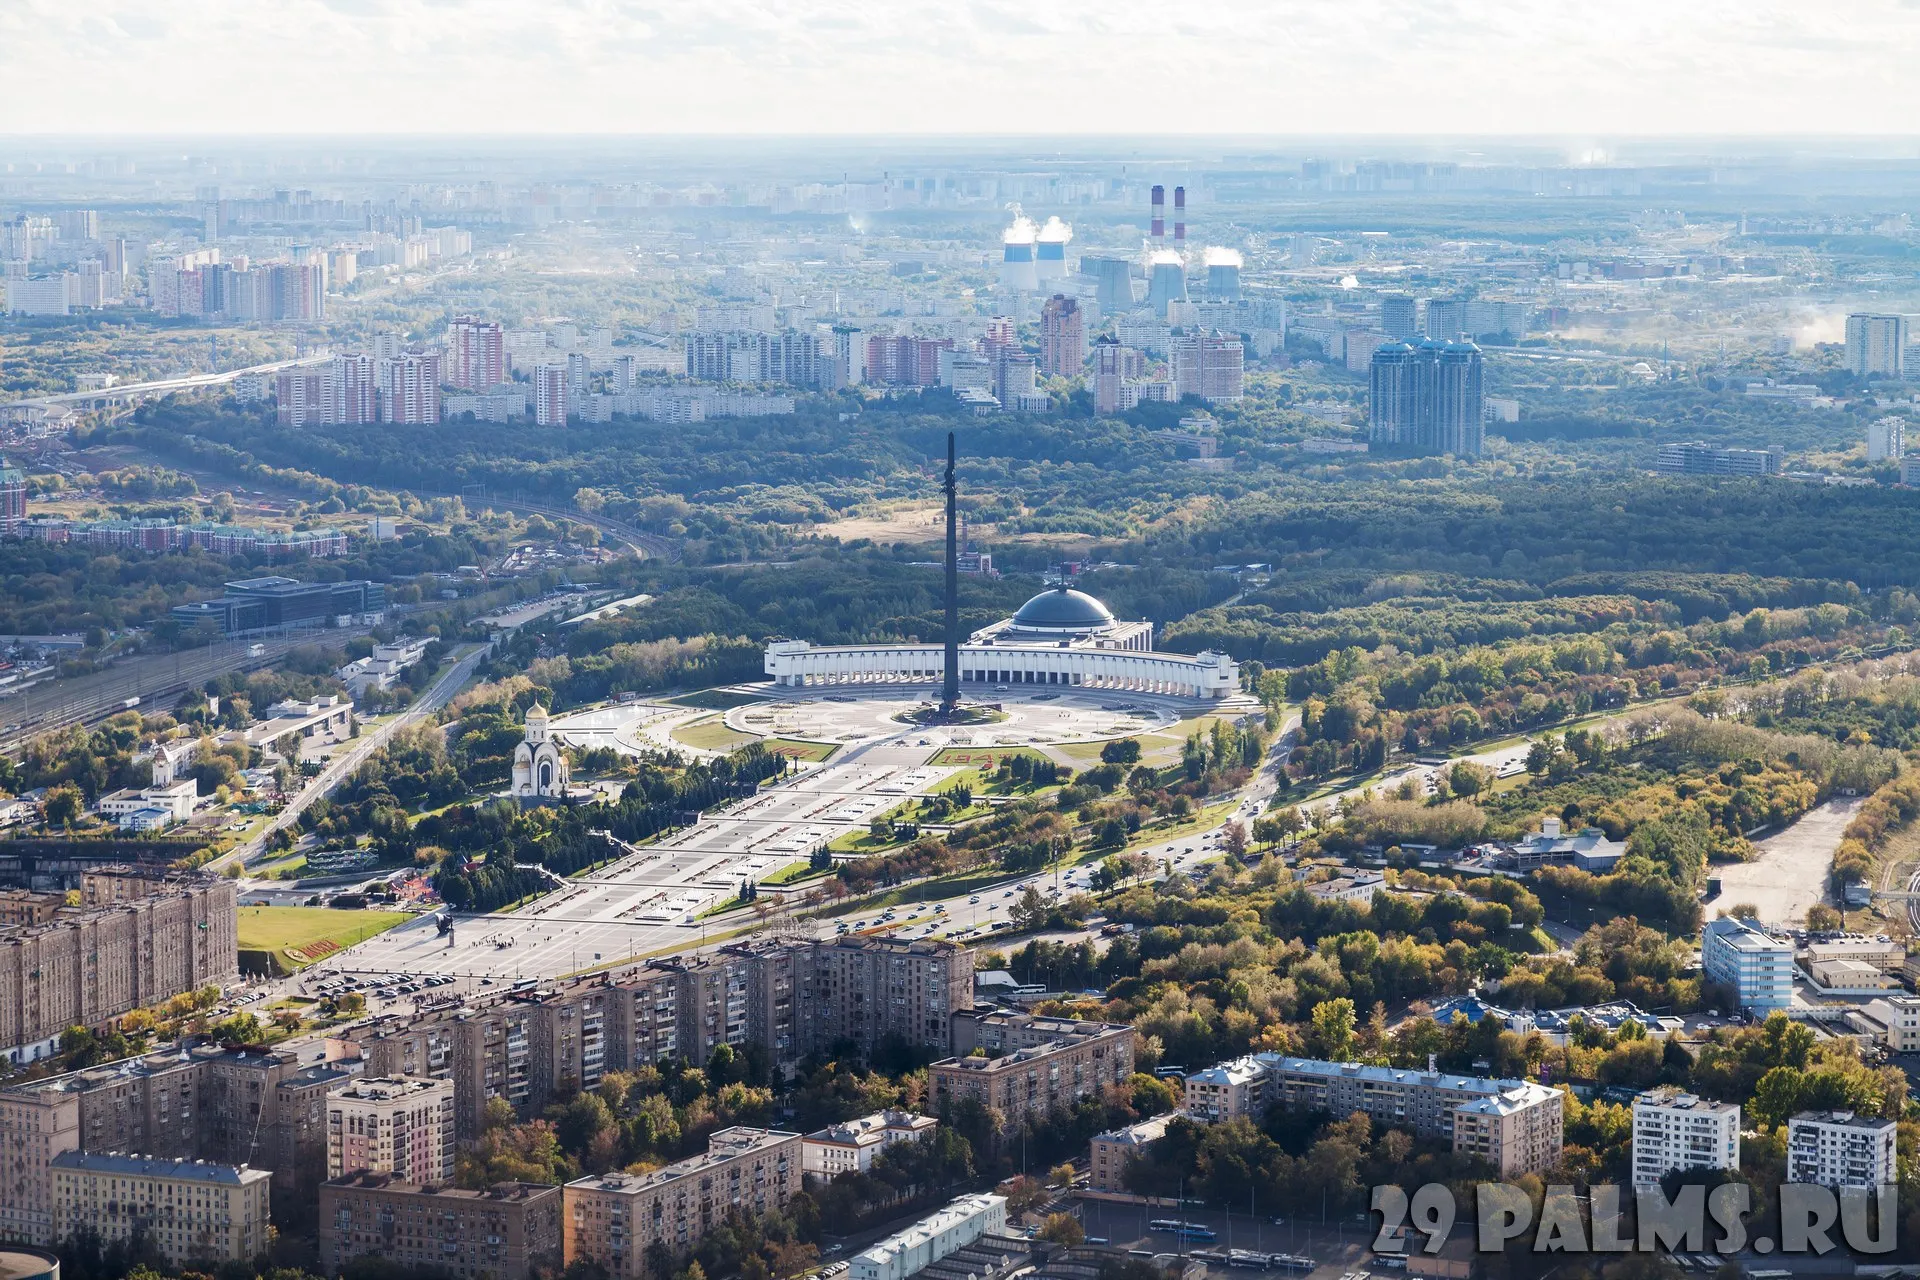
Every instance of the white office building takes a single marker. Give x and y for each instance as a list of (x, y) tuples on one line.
[(1840, 1149), (1743, 956), (1675, 1131), (1887, 439)]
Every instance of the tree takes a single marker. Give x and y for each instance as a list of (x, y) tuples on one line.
[(1062, 1228), (1060, 1176), (63, 805), (1024, 1193), (1121, 751), (1822, 918), (1236, 839), (1333, 1024)]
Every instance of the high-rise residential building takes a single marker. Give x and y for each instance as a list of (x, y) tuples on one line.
[(1756, 966), (1876, 345), (1428, 397), (479, 351), (1400, 317), (13, 497), (613, 1218), (399, 1125), (412, 394), (904, 360), (510, 1231), (350, 391), (1841, 1149), (1678, 1132), (1446, 319), (1063, 337), (1887, 439), (77, 224), (186, 1209), (551, 396), (1210, 365)]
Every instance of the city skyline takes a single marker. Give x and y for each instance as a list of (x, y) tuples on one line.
[(829, 68)]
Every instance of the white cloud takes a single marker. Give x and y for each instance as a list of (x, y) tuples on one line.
[(936, 66)]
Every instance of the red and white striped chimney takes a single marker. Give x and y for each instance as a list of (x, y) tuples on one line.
[(1159, 232), (1180, 219)]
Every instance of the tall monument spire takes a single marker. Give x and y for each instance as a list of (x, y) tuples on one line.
[(950, 676)]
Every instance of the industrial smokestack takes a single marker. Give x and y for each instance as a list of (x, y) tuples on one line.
[(1180, 219), (1159, 232)]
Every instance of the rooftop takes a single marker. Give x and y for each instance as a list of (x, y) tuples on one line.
[(920, 1232), (153, 1167), (1142, 1132), (723, 1147), (1846, 1119), (499, 1191), (1384, 1075), (1674, 1100), (1505, 1103)]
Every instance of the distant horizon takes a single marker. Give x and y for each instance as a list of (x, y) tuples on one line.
[(1088, 68)]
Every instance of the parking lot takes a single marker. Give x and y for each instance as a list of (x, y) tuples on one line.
[(1339, 1248)]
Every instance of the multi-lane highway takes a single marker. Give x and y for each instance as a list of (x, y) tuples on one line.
[(126, 393)]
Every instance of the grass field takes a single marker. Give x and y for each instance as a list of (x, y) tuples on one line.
[(298, 936), (711, 734), (798, 750)]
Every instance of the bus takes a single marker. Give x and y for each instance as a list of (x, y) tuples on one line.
[(1194, 1231), (1290, 1264), (1164, 1224), (1247, 1259)]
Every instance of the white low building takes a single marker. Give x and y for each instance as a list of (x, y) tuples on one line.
[(931, 1239), (1840, 1149), (382, 668), (851, 1146), (1060, 637), (151, 807)]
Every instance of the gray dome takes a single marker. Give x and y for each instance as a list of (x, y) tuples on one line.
[(1063, 609)]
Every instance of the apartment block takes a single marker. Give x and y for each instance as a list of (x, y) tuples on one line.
[(1035, 1080), (926, 1242), (510, 1231), (1514, 1124), (1519, 1130), (1743, 956), (1110, 1153), (229, 1106), (397, 1125), (851, 1145), (612, 1218), (189, 1210), (88, 965), (1226, 1091), (1675, 1131), (1841, 1149), (793, 998)]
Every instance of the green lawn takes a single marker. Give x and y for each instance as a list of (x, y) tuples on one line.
[(711, 734), (793, 873), (298, 936)]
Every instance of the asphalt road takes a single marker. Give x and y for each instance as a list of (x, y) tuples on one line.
[(450, 682)]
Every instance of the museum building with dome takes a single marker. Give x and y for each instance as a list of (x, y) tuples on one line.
[(1059, 637)]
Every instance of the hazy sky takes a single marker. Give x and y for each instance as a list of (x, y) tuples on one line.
[(1597, 67)]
